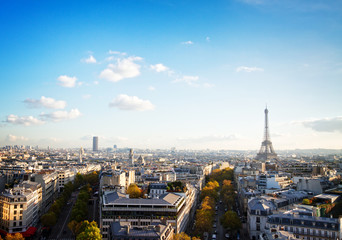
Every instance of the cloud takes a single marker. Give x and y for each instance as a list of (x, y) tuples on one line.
[(210, 138), (61, 115), (124, 68), (125, 102), (90, 59), (325, 124), (24, 120), (159, 67), (190, 80), (45, 102), (66, 81), (188, 43), (249, 69), (12, 138), (117, 53), (151, 88), (207, 39)]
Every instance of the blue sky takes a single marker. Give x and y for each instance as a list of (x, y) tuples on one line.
[(159, 74)]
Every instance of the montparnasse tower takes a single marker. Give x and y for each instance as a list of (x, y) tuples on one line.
[(266, 151)]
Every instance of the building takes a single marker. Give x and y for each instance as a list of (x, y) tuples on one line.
[(258, 210), (64, 176), (95, 144), (157, 189), (114, 178), (20, 207), (171, 208), (124, 231), (49, 182), (305, 226)]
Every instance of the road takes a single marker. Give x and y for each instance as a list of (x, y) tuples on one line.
[(61, 230), (221, 231)]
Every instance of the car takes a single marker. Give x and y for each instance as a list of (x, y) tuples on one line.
[(220, 201), (227, 235), (215, 231), (214, 225), (213, 236)]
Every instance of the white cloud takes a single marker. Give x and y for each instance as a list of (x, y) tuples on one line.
[(159, 67), (61, 115), (125, 102), (45, 102), (190, 80), (151, 88), (96, 82), (188, 43), (207, 39), (90, 59), (117, 53), (249, 69), (124, 68), (66, 81), (24, 120), (12, 138), (325, 124)]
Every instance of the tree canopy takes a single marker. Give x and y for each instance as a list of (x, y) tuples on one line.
[(90, 232), (133, 191)]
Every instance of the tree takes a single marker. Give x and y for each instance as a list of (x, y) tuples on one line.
[(73, 225), (181, 236), (49, 219), (231, 220), (307, 201), (91, 232), (133, 191), (16, 236)]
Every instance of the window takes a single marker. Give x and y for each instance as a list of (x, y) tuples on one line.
[(15, 206), (21, 205), (258, 227), (257, 219)]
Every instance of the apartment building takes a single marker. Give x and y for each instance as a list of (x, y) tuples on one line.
[(20, 207)]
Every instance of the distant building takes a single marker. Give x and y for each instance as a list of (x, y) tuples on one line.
[(95, 144)]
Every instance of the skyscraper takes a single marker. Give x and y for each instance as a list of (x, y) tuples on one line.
[(95, 144)]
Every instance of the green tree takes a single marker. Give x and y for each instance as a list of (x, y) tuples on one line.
[(90, 232), (231, 220), (49, 219), (133, 191)]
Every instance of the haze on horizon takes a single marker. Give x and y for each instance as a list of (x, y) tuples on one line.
[(161, 73)]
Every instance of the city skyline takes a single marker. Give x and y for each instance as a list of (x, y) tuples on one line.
[(162, 74)]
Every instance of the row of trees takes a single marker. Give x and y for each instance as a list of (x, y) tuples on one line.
[(205, 214), (230, 220), (184, 236), (50, 218), (81, 228)]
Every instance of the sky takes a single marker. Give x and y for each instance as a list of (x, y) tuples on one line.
[(189, 74)]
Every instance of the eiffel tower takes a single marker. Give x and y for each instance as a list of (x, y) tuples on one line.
[(266, 151)]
